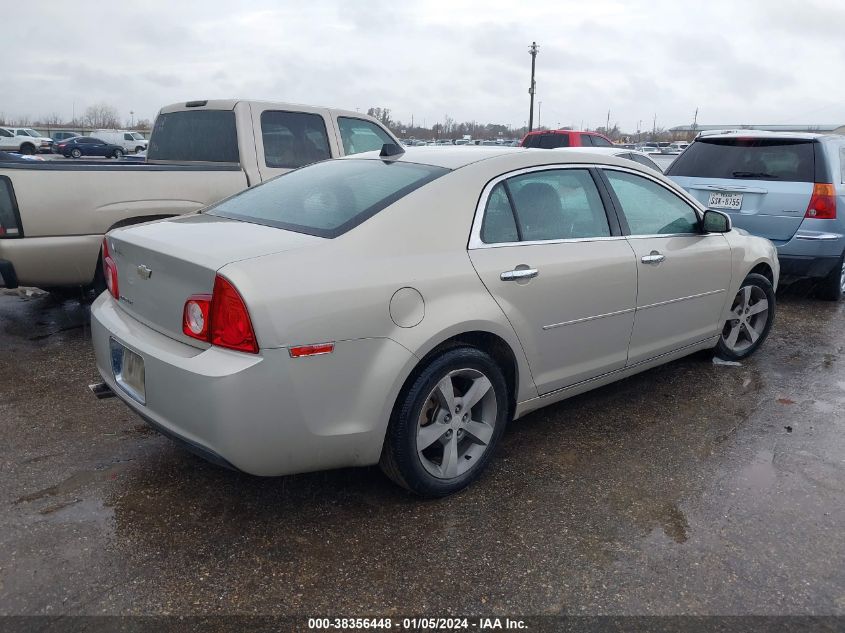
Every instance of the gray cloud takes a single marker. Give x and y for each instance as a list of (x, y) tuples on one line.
[(750, 61)]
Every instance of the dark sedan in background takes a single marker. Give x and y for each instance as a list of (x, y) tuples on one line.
[(88, 146)]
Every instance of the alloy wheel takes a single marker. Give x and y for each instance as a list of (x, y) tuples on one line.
[(747, 320), (456, 423)]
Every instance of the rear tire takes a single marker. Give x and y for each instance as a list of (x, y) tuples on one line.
[(118, 154), (751, 318), (456, 408), (75, 153), (832, 287)]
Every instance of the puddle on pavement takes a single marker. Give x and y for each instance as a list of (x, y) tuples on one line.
[(73, 483), (761, 472)]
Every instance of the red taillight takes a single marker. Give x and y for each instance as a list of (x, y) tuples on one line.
[(195, 316), (822, 203), (221, 318), (110, 270)]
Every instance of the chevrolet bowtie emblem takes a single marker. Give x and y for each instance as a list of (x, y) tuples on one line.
[(144, 272)]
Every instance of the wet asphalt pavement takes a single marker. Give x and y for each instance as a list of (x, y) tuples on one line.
[(690, 489)]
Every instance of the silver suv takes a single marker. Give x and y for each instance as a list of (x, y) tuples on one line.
[(784, 186)]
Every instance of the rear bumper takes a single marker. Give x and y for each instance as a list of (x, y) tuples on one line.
[(806, 266), (8, 276), (811, 253), (265, 414)]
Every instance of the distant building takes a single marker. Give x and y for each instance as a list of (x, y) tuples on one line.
[(689, 131)]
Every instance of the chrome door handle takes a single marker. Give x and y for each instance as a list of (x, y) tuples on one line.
[(519, 273), (653, 258)]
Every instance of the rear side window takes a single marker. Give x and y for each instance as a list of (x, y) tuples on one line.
[(5, 133), (599, 141), (293, 139), (644, 160), (649, 208), (128, 137), (9, 217), (329, 198), (747, 159), (586, 140), (499, 226), (195, 135), (359, 136)]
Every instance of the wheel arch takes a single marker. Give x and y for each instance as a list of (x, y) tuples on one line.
[(764, 269)]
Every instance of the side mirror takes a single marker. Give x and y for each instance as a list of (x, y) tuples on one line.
[(716, 222)]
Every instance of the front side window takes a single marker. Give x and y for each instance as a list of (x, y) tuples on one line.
[(293, 139), (645, 160), (359, 135), (600, 141), (328, 198), (555, 204), (586, 140), (651, 209)]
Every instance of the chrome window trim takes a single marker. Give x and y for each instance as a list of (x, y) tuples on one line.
[(475, 241)]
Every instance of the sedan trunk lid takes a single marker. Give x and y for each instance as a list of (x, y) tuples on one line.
[(161, 264)]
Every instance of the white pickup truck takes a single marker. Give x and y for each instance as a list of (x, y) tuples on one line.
[(53, 214)]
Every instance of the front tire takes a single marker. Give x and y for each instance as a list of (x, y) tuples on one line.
[(446, 423), (832, 287), (750, 320), (27, 149)]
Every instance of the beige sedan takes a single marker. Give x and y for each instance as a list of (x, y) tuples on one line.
[(403, 308)]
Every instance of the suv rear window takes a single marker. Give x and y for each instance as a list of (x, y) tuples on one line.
[(791, 160), (195, 135), (327, 199)]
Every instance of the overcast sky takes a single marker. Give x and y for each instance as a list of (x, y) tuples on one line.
[(738, 61)]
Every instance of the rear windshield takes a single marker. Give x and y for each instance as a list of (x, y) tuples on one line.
[(547, 141), (198, 135), (327, 199), (747, 159)]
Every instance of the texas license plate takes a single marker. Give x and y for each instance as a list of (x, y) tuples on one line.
[(725, 201), (128, 370)]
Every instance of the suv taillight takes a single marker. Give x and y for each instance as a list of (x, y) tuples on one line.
[(220, 319), (822, 203), (110, 270)]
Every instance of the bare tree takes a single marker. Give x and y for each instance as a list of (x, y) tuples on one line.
[(143, 124), (101, 115)]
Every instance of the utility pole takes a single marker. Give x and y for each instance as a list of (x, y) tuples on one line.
[(607, 125), (533, 49), (654, 128), (639, 130), (694, 122), (539, 112)]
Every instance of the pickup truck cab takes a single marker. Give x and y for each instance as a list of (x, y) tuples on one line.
[(54, 214)]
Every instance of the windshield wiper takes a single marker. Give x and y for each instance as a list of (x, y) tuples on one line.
[(754, 174)]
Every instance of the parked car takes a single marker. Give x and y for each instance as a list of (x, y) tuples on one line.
[(200, 152), (620, 152), (80, 146), (63, 136), (42, 143), (14, 140), (426, 311), (552, 139), (787, 187), (129, 141)]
